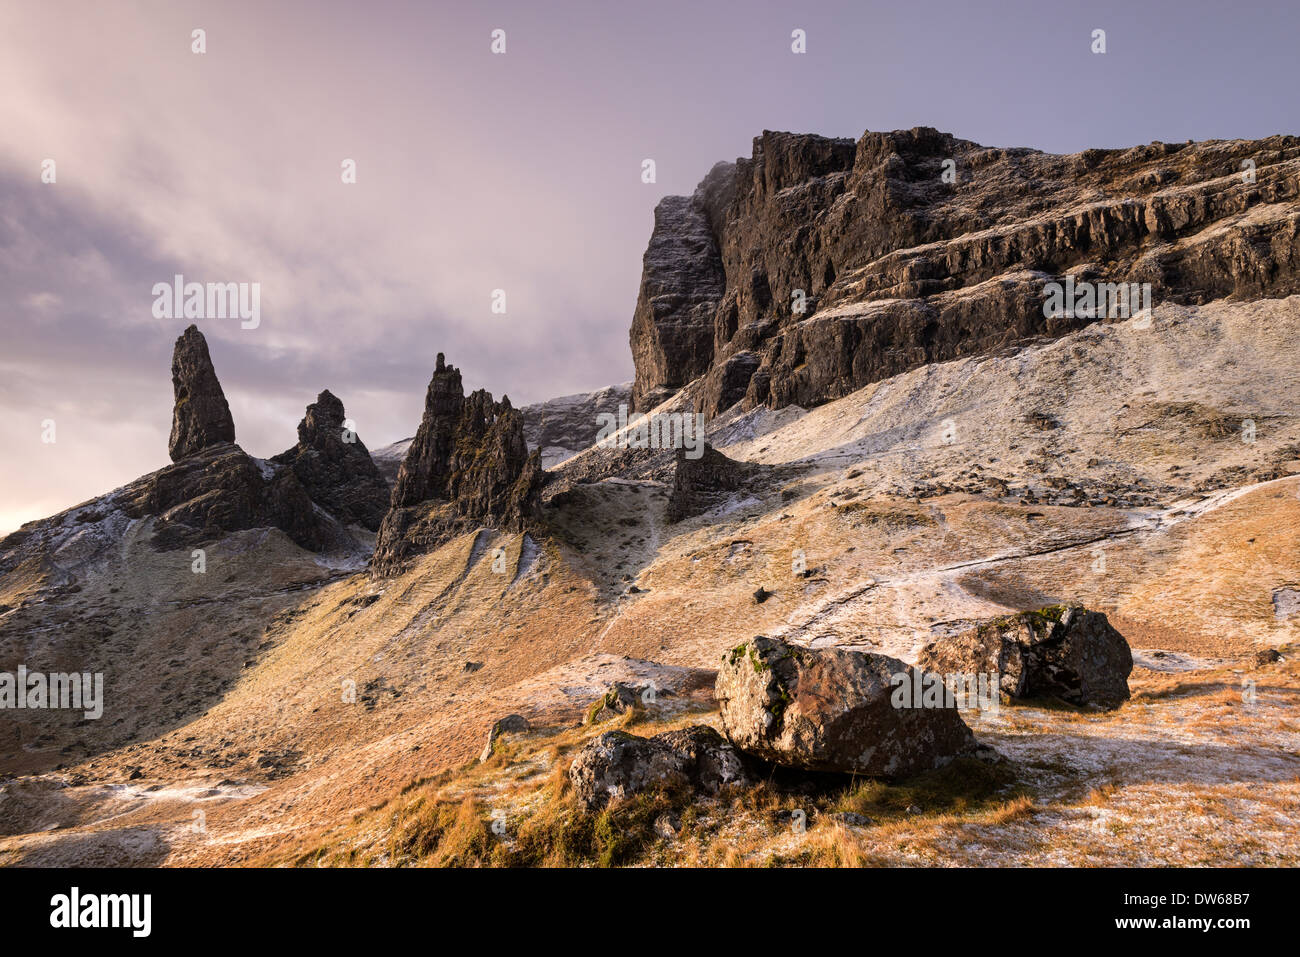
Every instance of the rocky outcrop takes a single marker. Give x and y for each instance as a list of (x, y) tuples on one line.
[(334, 466), (510, 724), (214, 487), (617, 765), (557, 428), (222, 489), (1065, 652), (820, 265), (832, 710), (201, 417), (700, 484), (682, 280), (467, 466)]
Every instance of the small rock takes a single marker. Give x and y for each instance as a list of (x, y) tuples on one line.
[(510, 724), (668, 826), (850, 819)]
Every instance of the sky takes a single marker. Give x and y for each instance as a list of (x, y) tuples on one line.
[(475, 171)]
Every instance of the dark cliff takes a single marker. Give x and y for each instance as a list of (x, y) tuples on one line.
[(898, 267)]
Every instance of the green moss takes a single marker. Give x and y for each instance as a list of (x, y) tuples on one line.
[(1049, 615), (599, 705)]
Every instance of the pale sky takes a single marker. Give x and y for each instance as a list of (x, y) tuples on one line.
[(475, 172)]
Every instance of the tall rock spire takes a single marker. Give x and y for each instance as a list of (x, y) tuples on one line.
[(425, 470), (201, 417), (468, 465)]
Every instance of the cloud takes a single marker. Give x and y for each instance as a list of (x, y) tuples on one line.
[(474, 172)]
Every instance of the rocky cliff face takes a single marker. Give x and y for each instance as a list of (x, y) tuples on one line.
[(560, 428), (334, 466), (468, 465), (894, 267), (201, 417)]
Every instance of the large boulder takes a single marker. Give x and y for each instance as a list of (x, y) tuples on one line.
[(617, 765), (1065, 651), (201, 416), (832, 710)]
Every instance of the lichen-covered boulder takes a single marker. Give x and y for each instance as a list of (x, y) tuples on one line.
[(617, 765), (1065, 651), (832, 710)]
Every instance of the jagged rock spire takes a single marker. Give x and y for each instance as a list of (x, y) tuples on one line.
[(201, 416), (468, 465), (335, 467), (425, 469)]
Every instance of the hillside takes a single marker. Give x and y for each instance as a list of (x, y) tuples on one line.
[(321, 692)]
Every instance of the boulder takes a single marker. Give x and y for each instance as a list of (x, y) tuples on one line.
[(619, 699), (1065, 651), (712, 762), (832, 710), (617, 765), (1268, 656)]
